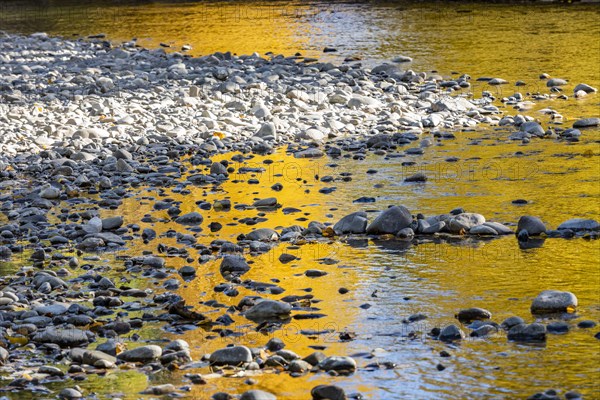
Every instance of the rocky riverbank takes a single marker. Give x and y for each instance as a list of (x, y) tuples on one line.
[(84, 125)]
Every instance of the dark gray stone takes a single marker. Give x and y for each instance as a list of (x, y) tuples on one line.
[(533, 225), (352, 223), (390, 221), (527, 333), (235, 355)]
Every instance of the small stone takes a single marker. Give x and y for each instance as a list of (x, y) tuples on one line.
[(314, 273), (586, 324), (557, 327), (160, 389), (275, 344), (70, 394)]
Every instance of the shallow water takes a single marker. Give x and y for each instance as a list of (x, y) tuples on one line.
[(559, 180)]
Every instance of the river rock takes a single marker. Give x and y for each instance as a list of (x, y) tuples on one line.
[(511, 321), (557, 327), (257, 395), (584, 87), (218, 169), (352, 223), (499, 228), (483, 230), (193, 218), (338, 363), (268, 309), (142, 354), (580, 224), (64, 337), (233, 265), (69, 393), (464, 222), (554, 301), (473, 314), (533, 225), (451, 333), (556, 82), (235, 355), (586, 122), (265, 203), (390, 221), (3, 355), (50, 193), (90, 357), (112, 223), (263, 235), (160, 390), (327, 392), (527, 333), (533, 128)]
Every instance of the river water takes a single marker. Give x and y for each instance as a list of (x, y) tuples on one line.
[(559, 180)]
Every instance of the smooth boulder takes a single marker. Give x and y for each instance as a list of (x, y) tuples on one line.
[(390, 221), (352, 223), (268, 309), (143, 354), (235, 355), (527, 333), (580, 224), (554, 301), (533, 225)]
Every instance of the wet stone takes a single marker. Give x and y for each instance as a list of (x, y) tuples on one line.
[(257, 395), (527, 333), (142, 354), (328, 392), (451, 333), (554, 301), (236, 355), (473, 314)]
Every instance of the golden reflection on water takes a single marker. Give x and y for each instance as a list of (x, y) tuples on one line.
[(438, 278)]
